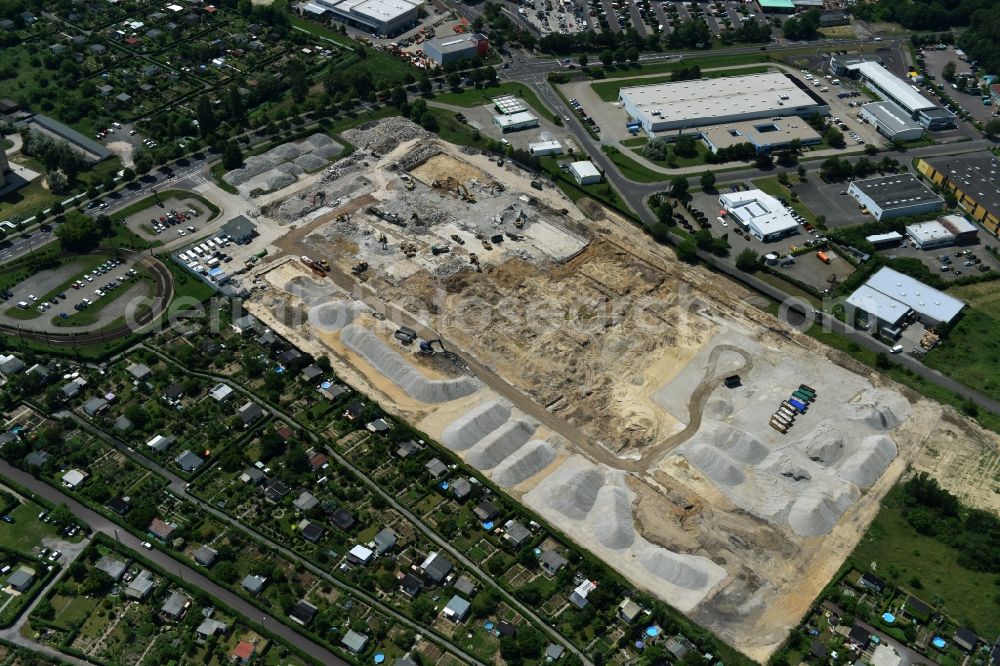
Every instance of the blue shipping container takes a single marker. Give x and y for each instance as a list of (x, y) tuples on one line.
[(797, 405)]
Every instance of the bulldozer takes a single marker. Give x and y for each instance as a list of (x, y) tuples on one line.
[(360, 267), (344, 217)]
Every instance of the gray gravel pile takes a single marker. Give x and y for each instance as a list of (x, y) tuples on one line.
[(252, 167), (417, 156), (328, 152), (818, 509), (613, 524), (277, 180), (574, 495), (283, 153), (319, 140), (465, 431), (401, 372), (499, 444), (674, 568), (524, 463), (864, 467), (383, 136), (310, 162)]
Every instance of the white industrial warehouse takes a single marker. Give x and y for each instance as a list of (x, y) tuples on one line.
[(585, 172), (760, 213), (899, 195), (382, 17), (895, 89), (891, 121), (889, 297), (944, 232), (682, 104)]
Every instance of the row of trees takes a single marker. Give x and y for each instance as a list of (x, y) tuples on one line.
[(62, 163)]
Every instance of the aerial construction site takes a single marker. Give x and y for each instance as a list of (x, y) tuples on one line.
[(653, 410)]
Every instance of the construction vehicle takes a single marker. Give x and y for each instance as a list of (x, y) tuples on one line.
[(323, 264), (360, 267), (391, 218), (450, 184), (457, 239), (474, 260), (409, 250), (427, 346), (312, 265), (407, 181), (522, 217), (514, 237), (496, 239), (440, 249), (487, 246), (344, 217)]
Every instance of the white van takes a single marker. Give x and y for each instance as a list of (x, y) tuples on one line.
[(197, 250)]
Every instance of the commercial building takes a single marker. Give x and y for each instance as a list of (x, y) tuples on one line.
[(683, 104), (895, 89), (776, 6), (240, 229), (508, 104), (883, 241), (764, 135), (382, 17), (973, 179), (891, 121), (515, 121), (832, 19), (889, 298), (945, 232), (543, 148), (458, 47), (760, 213), (585, 172), (899, 195)]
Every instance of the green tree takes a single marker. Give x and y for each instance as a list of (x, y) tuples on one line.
[(708, 180), (583, 60), (607, 58), (232, 157), (206, 117), (948, 73), (454, 80), (234, 104), (679, 187), (687, 251), (993, 127), (78, 233), (686, 146), (748, 260)]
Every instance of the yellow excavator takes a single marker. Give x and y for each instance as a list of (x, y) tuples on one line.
[(452, 185)]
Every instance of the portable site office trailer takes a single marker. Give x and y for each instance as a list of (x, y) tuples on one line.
[(803, 396), (799, 406), (787, 412), (213, 262), (811, 394), (777, 426), (784, 420), (807, 388)]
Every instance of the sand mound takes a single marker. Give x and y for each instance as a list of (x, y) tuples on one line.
[(741, 445), (524, 463), (500, 444), (335, 315), (788, 469), (674, 568), (611, 519), (404, 375), (866, 465), (817, 510), (825, 451), (715, 464), (575, 496), (465, 431), (878, 416)]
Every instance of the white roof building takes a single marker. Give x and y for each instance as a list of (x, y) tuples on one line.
[(542, 148), (512, 122), (585, 172), (889, 292), (900, 91), (381, 16), (73, 478), (764, 216)]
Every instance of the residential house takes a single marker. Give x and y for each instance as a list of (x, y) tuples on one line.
[(872, 582), (305, 501), (360, 555), (506, 629), (405, 661), (210, 627), (21, 580), (966, 639), (221, 392), (284, 432), (311, 373), (276, 490), (105, 90), (333, 392), (246, 324), (173, 394), (410, 585), (140, 586), (553, 652), (243, 652), (385, 540), (122, 424), (353, 411), (291, 358), (461, 488), (40, 372), (457, 609), (94, 406), (354, 641), (343, 519), (485, 511), (378, 426), (7, 25), (253, 476), (120, 505), (628, 611), (303, 613), (318, 461), (678, 646), (11, 365), (436, 567), (436, 468), (579, 595), (517, 534), (74, 478), (551, 562), (112, 566), (160, 529), (407, 448), (140, 371), (916, 609), (859, 636), (36, 458), (249, 413), (188, 461), (310, 531), (175, 605), (72, 388), (98, 49), (819, 650), (7, 437), (465, 585), (205, 556), (268, 339), (159, 443), (253, 584)]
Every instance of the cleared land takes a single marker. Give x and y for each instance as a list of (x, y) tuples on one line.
[(584, 373)]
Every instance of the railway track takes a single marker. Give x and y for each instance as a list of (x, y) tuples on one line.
[(163, 291)]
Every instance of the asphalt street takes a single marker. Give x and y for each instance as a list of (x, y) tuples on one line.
[(98, 523)]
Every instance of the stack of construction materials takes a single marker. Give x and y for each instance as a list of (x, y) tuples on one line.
[(797, 404)]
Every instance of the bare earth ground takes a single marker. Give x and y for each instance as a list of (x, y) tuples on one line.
[(586, 378)]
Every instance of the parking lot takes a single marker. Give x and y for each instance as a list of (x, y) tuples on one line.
[(173, 217), (954, 259), (935, 61), (831, 201)]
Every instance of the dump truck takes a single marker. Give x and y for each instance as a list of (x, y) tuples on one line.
[(360, 267), (319, 272), (457, 239)]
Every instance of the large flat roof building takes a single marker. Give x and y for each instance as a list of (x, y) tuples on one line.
[(383, 17), (888, 296), (892, 88), (456, 47), (899, 195), (514, 122), (974, 180), (945, 232), (764, 135), (891, 121), (682, 104), (760, 213)]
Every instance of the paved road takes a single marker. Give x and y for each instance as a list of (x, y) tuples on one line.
[(99, 523)]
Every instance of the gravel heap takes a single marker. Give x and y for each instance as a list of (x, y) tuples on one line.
[(314, 152), (382, 136)]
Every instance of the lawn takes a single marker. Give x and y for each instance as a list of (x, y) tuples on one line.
[(27, 201), (71, 611), (479, 96), (679, 162), (321, 31), (971, 353), (632, 169), (608, 90), (28, 531), (927, 568)]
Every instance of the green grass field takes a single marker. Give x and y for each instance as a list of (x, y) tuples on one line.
[(971, 352), (27, 532), (71, 611), (632, 169), (608, 90), (681, 162), (479, 96), (927, 568)]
